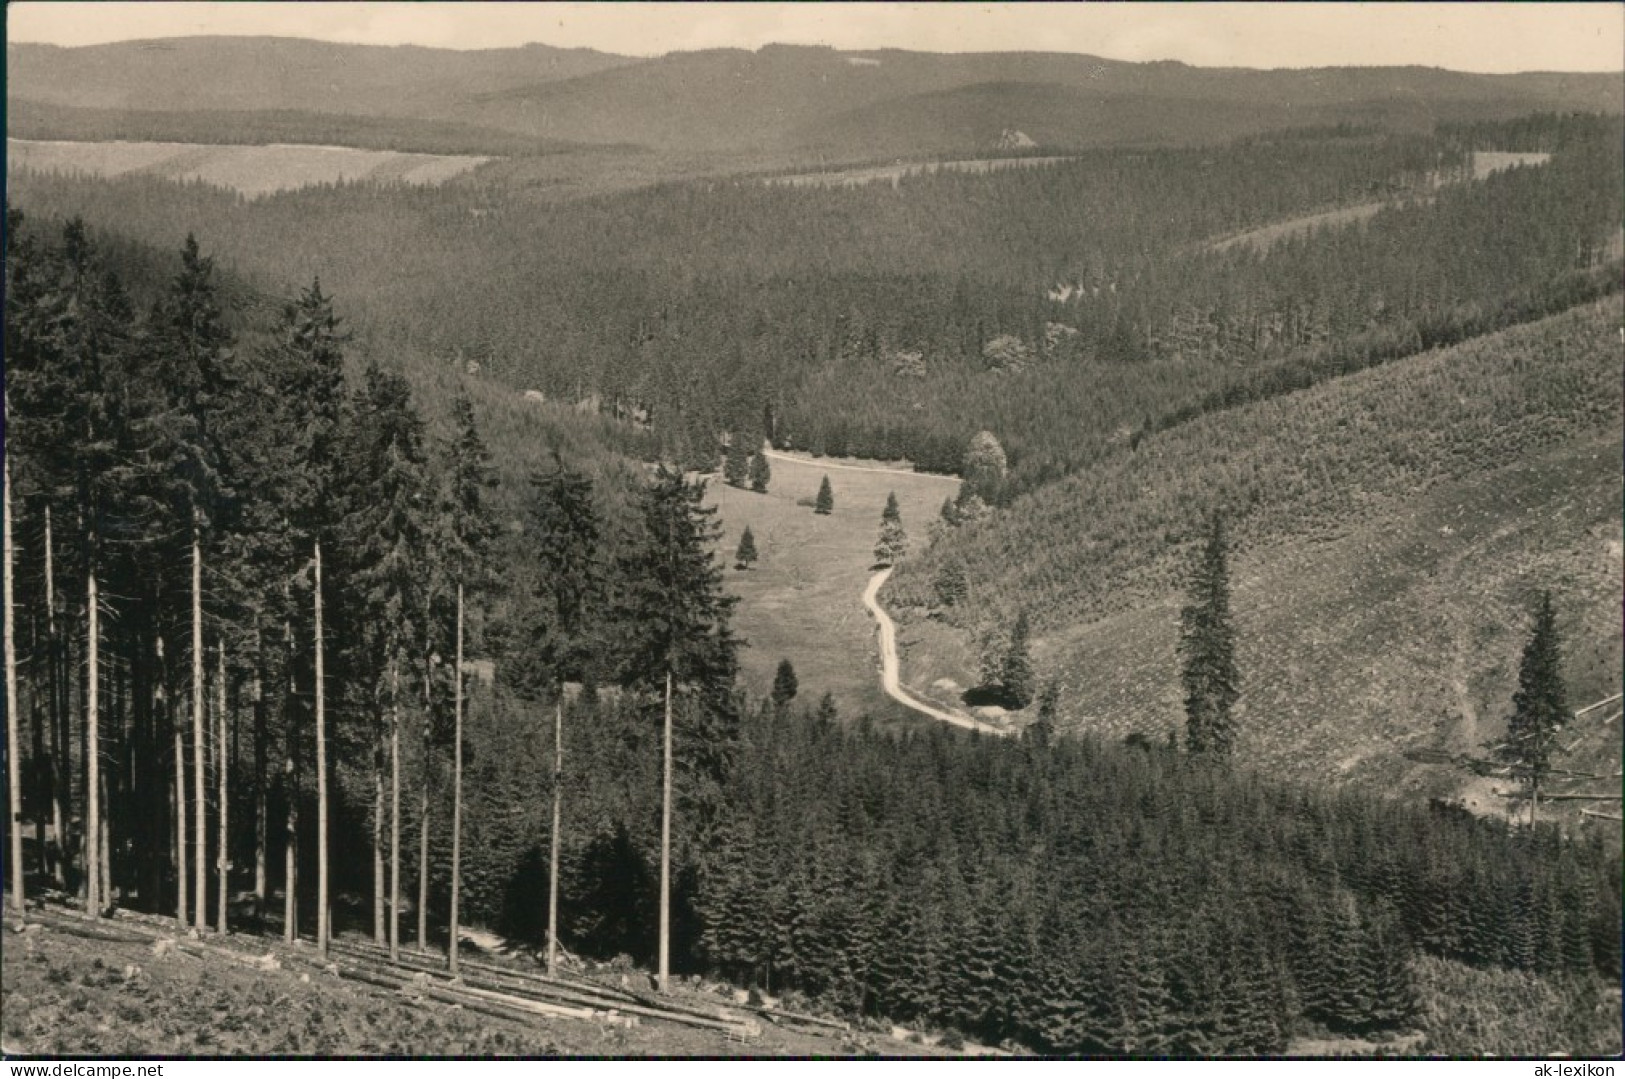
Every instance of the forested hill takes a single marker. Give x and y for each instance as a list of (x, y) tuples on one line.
[(802, 100), (1063, 307), (1392, 531)]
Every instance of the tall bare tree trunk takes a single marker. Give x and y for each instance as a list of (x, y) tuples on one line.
[(93, 768), (323, 929), (60, 770), (200, 744), (457, 789), (179, 789), (553, 847), (104, 852), (378, 886), (13, 775), (290, 787), (223, 781), (395, 809), (423, 811), (261, 831), (665, 850)]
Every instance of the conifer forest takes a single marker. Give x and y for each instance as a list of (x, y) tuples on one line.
[(451, 583)]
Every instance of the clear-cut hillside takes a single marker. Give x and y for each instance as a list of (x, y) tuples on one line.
[(1393, 529)]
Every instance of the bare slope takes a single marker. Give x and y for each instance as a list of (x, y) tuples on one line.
[(1392, 528)]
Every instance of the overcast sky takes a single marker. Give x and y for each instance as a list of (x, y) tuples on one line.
[(1460, 36)]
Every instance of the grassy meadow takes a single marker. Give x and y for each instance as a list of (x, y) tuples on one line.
[(802, 599)]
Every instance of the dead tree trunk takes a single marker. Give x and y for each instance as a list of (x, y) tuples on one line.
[(261, 831), (395, 810), (378, 885), (323, 929), (223, 781), (423, 808), (456, 789), (665, 849), (61, 772), (200, 744), (93, 770), (290, 788), (553, 848), (179, 800), (13, 776)]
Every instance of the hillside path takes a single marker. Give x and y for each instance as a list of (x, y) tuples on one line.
[(889, 666), (820, 463)]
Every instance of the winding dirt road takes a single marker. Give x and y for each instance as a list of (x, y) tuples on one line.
[(889, 667)]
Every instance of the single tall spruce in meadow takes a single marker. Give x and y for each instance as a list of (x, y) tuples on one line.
[(1207, 646), (785, 685), (746, 553), (893, 542), (825, 502), (761, 473), (1539, 707)]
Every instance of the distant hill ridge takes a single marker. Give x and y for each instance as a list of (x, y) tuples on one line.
[(818, 100)]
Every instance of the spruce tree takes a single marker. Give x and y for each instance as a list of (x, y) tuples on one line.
[(308, 373), (1017, 676), (570, 584), (746, 554), (952, 587), (1042, 732), (467, 537), (893, 542), (389, 528), (784, 684), (1539, 707), (736, 464), (677, 637), (825, 503), (827, 711), (197, 346), (569, 589), (760, 471), (1207, 645)]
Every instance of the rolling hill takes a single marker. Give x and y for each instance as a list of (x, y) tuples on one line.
[(253, 73), (800, 103), (1392, 529)]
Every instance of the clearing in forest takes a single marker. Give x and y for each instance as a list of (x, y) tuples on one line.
[(803, 598), (251, 170), (1484, 163)]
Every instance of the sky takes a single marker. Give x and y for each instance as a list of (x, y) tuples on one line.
[(1488, 37)]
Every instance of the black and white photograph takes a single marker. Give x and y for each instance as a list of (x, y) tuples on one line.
[(813, 531)]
